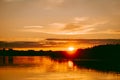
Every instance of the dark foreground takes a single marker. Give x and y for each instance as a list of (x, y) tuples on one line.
[(102, 58)]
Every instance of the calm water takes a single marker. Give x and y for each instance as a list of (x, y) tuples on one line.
[(44, 68)]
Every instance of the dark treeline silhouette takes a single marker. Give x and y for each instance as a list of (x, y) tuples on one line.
[(101, 52), (102, 57)]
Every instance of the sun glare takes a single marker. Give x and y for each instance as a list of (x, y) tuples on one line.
[(71, 48)]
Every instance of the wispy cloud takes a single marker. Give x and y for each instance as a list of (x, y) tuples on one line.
[(56, 25), (78, 26), (28, 27), (110, 31), (19, 44), (78, 19), (54, 43), (82, 25)]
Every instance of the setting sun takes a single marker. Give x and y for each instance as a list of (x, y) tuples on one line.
[(71, 48)]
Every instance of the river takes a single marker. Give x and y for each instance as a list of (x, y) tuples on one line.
[(45, 68)]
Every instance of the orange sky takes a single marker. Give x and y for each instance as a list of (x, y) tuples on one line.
[(56, 44), (33, 20)]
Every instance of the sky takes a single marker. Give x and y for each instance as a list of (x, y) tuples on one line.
[(34, 20)]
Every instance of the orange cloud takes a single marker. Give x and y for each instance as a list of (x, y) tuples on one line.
[(79, 26)]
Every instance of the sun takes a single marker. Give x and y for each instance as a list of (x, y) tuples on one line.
[(71, 48)]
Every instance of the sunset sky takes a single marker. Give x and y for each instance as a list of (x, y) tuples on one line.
[(33, 20)]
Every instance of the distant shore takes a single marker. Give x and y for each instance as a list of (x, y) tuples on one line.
[(102, 57), (100, 52)]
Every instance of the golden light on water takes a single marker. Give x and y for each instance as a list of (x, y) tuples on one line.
[(70, 64)]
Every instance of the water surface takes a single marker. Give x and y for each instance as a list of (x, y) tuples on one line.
[(45, 68)]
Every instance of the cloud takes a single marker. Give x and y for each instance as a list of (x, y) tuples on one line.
[(78, 19), (52, 42), (29, 27), (56, 25), (110, 31), (71, 26), (30, 44), (82, 25), (77, 23), (77, 26), (19, 44)]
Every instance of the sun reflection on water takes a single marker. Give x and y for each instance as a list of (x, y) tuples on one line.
[(44, 68), (70, 64)]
